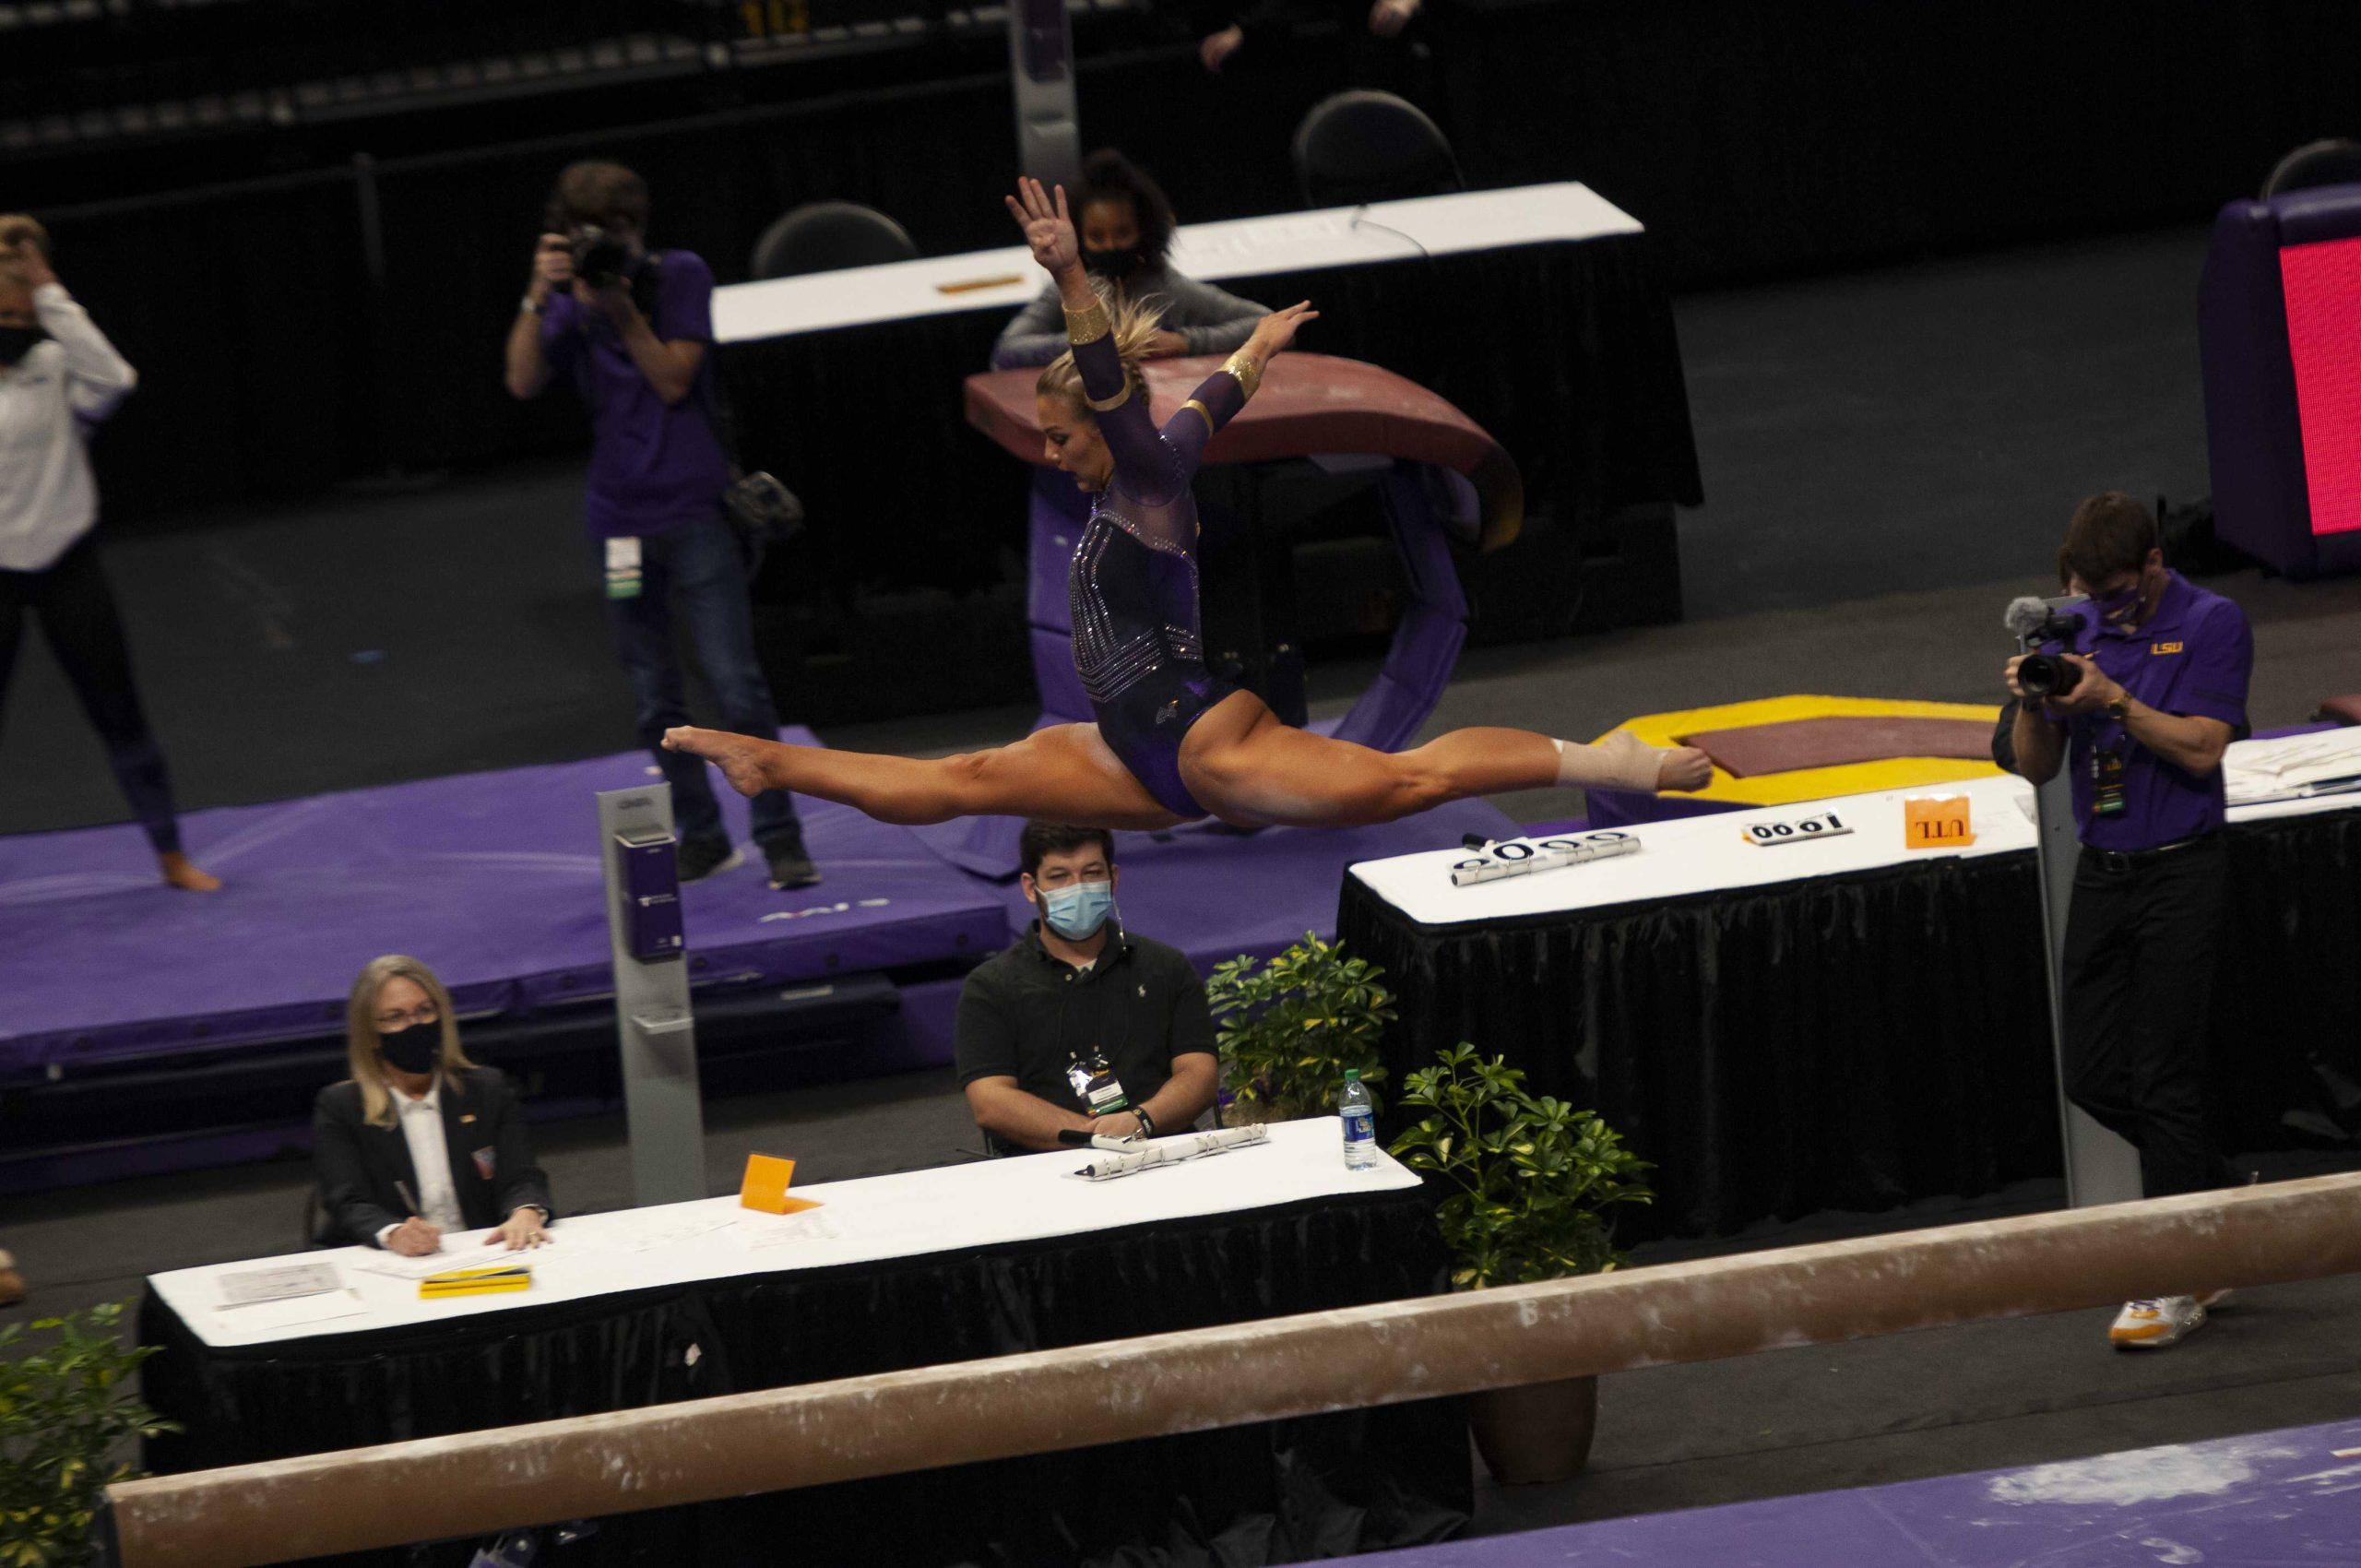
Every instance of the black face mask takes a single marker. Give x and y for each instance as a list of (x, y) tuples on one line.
[(412, 1050), (1116, 264), (16, 343)]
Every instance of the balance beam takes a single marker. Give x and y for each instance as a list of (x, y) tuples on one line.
[(480, 1482)]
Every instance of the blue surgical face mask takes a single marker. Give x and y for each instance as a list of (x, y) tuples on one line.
[(1077, 912)]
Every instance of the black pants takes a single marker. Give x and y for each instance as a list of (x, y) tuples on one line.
[(2142, 947), (85, 630)]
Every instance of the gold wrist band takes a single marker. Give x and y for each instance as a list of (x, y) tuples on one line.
[(1117, 401), (1088, 325), (1248, 374), (1197, 407)]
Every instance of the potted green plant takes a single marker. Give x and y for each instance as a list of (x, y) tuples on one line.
[(66, 1410), (1291, 1027), (1529, 1180)]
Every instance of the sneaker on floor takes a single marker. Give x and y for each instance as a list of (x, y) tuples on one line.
[(790, 866), (700, 858), (2153, 1325)]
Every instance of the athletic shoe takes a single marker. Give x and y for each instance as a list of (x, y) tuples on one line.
[(700, 858), (2153, 1325), (12, 1284), (791, 867)]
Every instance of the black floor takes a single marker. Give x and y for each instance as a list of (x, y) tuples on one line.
[(1887, 458)]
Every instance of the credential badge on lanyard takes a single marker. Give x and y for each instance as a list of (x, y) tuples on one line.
[(622, 568), (1095, 1086)]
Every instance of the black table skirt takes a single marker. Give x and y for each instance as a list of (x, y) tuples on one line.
[(1841, 1042), (1275, 1492), (1565, 352)]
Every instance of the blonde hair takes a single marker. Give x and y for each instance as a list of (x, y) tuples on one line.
[(1135, 321), (361, 1033)]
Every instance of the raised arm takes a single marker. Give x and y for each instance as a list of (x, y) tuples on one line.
[(1220, 397), (97, 378), (1120, 412)]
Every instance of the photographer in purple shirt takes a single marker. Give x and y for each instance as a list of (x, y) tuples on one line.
[(633, 329), (2153, 690)]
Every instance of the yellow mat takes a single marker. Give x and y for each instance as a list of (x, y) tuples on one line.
[(1816, 783)]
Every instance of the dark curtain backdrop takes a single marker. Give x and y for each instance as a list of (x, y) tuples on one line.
[(1752, 139), (1284, 1492), (1845, 1042)]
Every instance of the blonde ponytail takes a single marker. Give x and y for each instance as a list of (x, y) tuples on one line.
[(1134, 322)]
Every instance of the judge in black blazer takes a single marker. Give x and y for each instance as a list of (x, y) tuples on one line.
[(420, 1140)]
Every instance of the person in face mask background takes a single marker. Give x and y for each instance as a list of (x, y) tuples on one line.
[(1082, 1025), (59, 379), (1126, 225), (2160, 692), (419, 1142)]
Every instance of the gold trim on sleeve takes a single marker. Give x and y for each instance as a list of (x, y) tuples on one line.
[(1203, 412), (1088, 325), (1248, 374), (1104, 404)]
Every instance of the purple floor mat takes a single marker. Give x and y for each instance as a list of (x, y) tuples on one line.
[(2275, 1497), (492, 878)]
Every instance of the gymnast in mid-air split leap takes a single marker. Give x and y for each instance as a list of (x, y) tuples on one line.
[(1172, 743)]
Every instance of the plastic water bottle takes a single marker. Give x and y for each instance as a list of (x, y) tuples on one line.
[(1360, 1122)]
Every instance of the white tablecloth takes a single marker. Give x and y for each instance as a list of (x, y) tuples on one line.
[(1706, 854), (1244, 247), (1702, 854), (885, 1217)]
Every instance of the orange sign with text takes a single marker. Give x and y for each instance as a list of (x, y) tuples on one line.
[(1937, 822), (765, 1187)]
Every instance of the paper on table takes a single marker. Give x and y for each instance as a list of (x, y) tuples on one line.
[(400, 1267), (772, 1230), (269, 1317), (258, 1285)]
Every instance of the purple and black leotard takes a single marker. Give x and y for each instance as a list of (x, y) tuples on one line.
[(1133, 587)]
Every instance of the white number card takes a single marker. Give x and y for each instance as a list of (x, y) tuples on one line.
[(1521, 857), (1797, 830)]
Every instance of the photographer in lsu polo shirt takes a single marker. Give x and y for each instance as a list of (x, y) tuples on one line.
[(1081, 1025), (2160, 691)]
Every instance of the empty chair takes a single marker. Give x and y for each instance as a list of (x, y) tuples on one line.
[(2335, 161), (1360, 146), (824, 236)]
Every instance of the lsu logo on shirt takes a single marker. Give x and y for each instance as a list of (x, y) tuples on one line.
[(2164, 647)]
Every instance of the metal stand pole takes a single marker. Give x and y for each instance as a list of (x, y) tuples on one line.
[(1040, 68), (2100, 1166), (661, 1103)]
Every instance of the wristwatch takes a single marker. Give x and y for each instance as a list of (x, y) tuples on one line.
[(532, 306), (1148, 1122), (2119, 709)]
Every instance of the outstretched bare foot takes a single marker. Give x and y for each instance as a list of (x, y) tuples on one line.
[(740, 757), (1684, 768), (179, 873)]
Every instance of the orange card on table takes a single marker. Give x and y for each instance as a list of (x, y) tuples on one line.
[(1937, 822), (765, 1187)]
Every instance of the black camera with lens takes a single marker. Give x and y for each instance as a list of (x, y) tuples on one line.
[(2048, 674), (600, 259)]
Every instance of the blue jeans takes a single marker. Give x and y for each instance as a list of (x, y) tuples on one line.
[(698, 571)]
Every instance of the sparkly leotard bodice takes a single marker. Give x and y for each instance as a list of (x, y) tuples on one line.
[(1132, 586)]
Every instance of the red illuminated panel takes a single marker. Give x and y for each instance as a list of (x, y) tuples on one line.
[(2323, 284)]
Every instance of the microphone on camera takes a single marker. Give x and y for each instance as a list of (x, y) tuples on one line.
[(2026, 615)]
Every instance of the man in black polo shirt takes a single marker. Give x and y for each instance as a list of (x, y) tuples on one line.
[(1081, 1025)]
